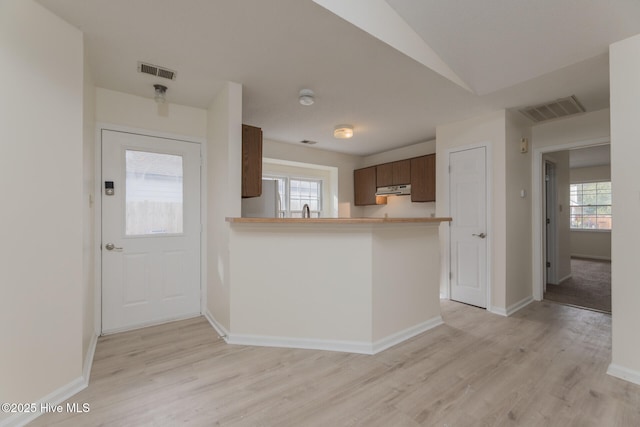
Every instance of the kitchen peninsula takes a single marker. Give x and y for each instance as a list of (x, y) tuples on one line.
[(348, 284)]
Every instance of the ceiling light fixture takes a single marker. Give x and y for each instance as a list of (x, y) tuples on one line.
[(160, 95), (306, 97), (343, 132)]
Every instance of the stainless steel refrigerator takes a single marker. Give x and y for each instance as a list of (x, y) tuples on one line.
[(265, 206)]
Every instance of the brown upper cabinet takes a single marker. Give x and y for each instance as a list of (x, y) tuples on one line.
[(251, 161), (394, 173), (423, 179), (364, 186)]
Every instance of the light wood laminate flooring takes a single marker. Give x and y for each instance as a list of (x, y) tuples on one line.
[(544, 366)]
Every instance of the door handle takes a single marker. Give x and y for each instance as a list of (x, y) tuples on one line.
[(481, 235), (112, 247)]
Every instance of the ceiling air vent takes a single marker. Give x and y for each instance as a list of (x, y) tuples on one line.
[(154, 70), (552, 110)]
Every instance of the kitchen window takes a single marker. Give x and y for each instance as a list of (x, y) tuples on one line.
[(295, 192), (591, 205)]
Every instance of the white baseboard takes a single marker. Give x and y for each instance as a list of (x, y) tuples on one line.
[(88, 360), (221, 330), (624, 373), (512, 308), (584, 256), (360, 347), (60, 395), (52, 399), (567, 277), (401, 336)]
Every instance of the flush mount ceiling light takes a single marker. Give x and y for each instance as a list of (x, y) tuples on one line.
[(343, 132), (161, 91), (306, 97)]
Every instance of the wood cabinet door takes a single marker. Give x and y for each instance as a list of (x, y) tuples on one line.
[(401, 172), (423, 179), (364, 186), (384, 175), (251, 161)]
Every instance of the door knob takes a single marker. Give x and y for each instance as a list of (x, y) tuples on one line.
[(112, 247), (481, 235)]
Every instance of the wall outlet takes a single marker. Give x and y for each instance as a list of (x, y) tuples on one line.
[(524, 145)]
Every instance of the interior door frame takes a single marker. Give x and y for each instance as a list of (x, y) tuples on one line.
[(101, 126), (551, 252), (489, 217), (538, 215)]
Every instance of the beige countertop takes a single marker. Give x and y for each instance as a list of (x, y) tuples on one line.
[(331, 221)]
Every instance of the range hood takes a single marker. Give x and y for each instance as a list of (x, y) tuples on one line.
[(394, 190)]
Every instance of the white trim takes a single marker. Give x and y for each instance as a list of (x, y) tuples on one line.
[(360, 347), (52, 399), (88, 359), (537, 225), (489, 214), (99, 127), (497, 310), (513, 308), (565, 278), (60, 395), (221, 330), (586, 256), (624, 373), (551, 253), (404, 335), (151, 323)]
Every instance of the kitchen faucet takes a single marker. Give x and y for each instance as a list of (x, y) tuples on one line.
[(306, 212)]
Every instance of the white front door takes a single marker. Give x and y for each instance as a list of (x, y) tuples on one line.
[(468, 229), (150, 230)]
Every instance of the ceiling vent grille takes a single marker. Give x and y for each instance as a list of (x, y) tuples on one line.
[(552, 110), (154, 70)]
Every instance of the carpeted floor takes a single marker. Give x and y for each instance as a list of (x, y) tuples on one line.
[(589, 286)]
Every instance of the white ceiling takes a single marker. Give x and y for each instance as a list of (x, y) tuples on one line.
[(511, 52)]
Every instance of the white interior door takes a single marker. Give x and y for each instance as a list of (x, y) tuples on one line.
[(150, 230), (468, 230)]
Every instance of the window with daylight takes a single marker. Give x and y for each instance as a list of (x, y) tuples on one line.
[(591, 206), (295, 192)]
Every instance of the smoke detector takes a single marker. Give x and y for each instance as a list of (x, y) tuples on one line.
[(306, 97)]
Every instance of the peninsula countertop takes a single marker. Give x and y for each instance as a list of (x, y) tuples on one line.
[(332, 221)]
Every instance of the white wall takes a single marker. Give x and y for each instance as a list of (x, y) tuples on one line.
[(224, 187), (344, 162), (400, 206), (489, 129), (563, 247), (624, 63), (88, 219), (518, 227), (585, 243), (592, 126), (41, 149), (590, 174), (142, 113)]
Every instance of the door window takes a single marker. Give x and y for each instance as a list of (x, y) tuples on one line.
[(154, 193)]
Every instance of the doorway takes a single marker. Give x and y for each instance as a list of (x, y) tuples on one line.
[(150, 199), (574, 226), (551, 229)]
